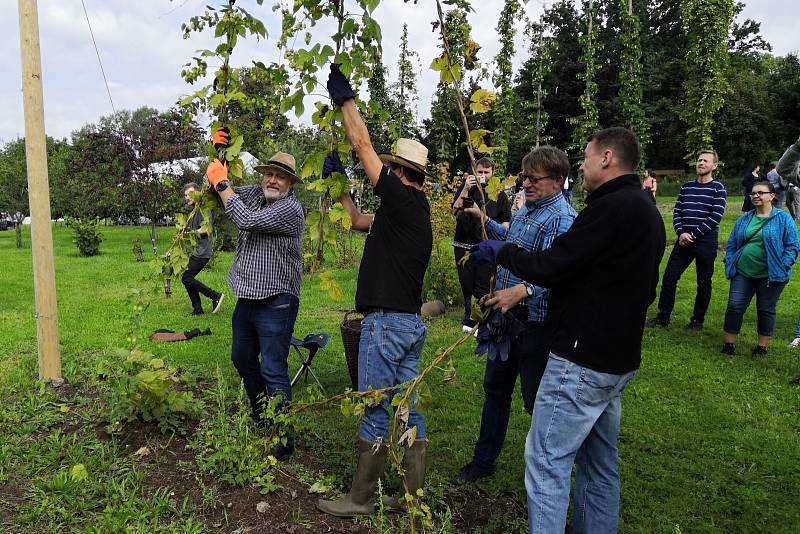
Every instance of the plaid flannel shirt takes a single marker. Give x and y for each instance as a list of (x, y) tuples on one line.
[(268, 258), (533, 227)]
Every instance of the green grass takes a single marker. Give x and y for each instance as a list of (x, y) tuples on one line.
[(708, 444)]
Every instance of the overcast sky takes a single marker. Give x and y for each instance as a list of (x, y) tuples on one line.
[(142, 50)]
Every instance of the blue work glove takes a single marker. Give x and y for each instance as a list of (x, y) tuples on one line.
[(496, 334), (486, 251), (332, 164), (338, 86)]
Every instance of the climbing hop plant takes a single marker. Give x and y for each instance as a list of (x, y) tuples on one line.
[(706, 23), (540, 47), (630, 92), (587, 122)]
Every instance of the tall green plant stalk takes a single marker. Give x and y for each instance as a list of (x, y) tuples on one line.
[(540, 53), (631, 76), (588, 122), (707, 23), (504, 70)]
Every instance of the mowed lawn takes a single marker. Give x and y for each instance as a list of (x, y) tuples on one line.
[(708, 443)]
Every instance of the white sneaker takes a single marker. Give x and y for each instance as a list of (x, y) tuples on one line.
[(466, 329), (218, 303), (795, 343)]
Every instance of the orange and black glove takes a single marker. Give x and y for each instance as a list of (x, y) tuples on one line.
[(221, 137), (216, 173)]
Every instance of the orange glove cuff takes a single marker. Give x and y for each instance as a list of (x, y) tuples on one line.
[(216, 172)]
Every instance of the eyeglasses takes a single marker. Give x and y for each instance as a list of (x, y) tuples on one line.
[(536, 179), (760, 193)]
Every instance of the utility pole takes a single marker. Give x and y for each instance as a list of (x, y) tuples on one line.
[(44, 279)]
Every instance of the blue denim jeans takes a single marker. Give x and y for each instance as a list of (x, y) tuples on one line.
[(388, 354), (739, 297), (263, 327), (527, 358), (575, 421)]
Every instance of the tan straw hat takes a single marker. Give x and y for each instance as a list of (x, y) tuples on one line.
[(281, 161), (408, 153)]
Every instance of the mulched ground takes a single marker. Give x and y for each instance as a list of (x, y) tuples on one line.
[(170, 463)]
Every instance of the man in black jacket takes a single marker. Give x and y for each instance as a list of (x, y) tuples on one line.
[(603, 274)]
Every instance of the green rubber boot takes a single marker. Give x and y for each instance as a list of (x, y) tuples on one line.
[(361, 499), (414, 465)]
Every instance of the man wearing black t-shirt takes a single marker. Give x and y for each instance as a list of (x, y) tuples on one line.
[(474, 279), (389, 294)]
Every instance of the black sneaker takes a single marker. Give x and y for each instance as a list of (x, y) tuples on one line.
[(281, 452), (472, 472), (656, 321), (759, 351), (694, 326), (198, 312), (729, 349), (217, 303)]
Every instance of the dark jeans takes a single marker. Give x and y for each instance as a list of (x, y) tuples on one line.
[(703, 254), (193, 287), (739, 296), (264, 327), (474, 280), (528, 359)]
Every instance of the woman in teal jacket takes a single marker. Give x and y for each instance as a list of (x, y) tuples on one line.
[(761, 250)]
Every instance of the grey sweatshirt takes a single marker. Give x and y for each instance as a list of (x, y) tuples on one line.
[(788, 164)]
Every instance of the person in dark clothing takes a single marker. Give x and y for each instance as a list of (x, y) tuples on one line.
[(389, 294), (696, 217), (602, 274), (199, 259), (750, 177), (474, 279)]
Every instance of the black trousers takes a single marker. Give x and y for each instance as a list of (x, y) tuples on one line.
[(704, 254), (474, 281), (193, 287)]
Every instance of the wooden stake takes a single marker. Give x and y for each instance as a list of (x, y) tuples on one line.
[(44, 280)]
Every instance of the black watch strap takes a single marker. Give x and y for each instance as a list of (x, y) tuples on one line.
[(223, 185)]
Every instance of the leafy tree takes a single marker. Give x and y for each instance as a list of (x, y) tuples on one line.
[(14, 179)]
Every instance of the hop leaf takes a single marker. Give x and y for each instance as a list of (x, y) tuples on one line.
[(481, 101)]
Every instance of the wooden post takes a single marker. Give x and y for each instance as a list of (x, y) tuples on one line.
[(44, 280)]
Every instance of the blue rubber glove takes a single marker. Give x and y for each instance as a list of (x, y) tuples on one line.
[(332, 164), (338, 86), (486, 251)]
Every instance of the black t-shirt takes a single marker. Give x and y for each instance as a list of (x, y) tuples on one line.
[(468, 228), (397, 250)]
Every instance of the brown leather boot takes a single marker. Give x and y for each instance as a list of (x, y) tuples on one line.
[(414, 465), (361, 499)]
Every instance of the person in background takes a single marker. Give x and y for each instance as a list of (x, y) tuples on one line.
[(788, 166), (474, 279), (751, 176), (759, 256), (650, 183), (696, 217), (198, 259), (778, 182)]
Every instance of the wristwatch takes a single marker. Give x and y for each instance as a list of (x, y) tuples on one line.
[(528, 289), (222, 186)]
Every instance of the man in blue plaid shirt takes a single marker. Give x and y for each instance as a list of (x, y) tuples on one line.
[(265, 277), (545, 215)]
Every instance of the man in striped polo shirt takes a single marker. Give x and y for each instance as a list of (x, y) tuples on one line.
[(696, 217)]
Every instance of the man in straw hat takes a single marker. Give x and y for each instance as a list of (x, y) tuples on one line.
[(389, 294), (265, 277)]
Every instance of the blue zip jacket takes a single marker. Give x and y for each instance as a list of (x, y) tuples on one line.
[(780, 242)]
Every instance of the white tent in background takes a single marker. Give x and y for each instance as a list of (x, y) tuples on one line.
[(178, 166)]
